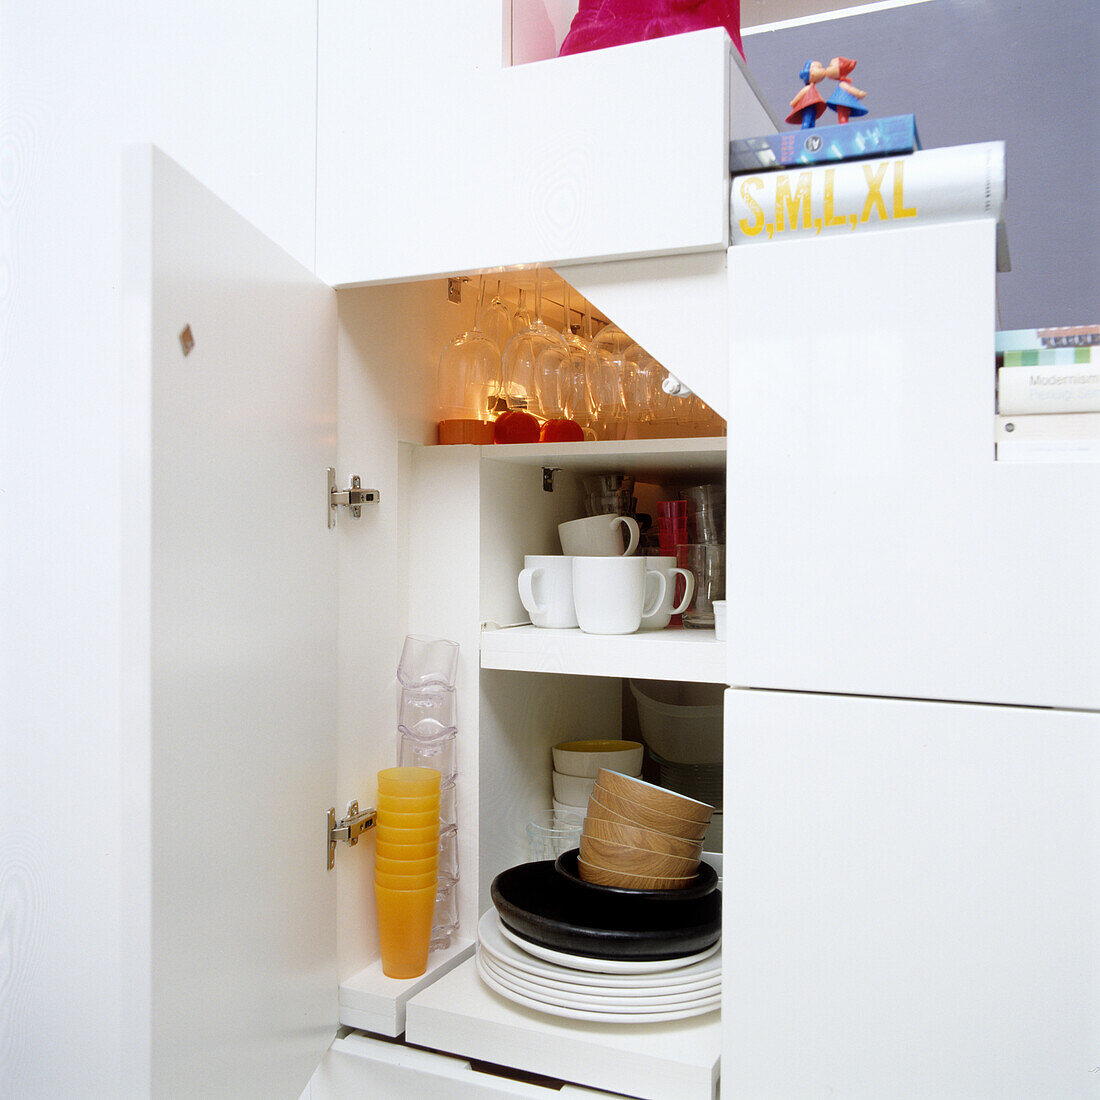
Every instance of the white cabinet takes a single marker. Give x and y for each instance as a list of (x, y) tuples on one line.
[(477, 166), (879, 547), (915, 910)]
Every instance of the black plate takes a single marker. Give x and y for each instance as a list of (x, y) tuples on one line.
[(541, 905), (706, 882)]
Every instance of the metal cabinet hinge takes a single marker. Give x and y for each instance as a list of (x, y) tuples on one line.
[(354, 497), (348, 830), (548, 473)]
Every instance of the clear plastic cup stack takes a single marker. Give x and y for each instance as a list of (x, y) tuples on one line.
[(427, 730)]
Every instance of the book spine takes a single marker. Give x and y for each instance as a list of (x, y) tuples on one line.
[(959, 182), (1048, 389)]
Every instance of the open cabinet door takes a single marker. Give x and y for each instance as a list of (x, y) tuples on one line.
[(230, 654)]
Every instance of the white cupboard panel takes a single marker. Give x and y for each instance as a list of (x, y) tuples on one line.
[(230, 662), (431, 160), (911, 899), (875, 545)]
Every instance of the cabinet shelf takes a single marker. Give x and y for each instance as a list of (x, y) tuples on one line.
[(660, 1061), (671, 654), (665, 458)]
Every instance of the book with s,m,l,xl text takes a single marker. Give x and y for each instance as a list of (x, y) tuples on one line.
[(960, 182)]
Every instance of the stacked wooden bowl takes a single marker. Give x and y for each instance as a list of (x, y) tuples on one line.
[(639, 836)]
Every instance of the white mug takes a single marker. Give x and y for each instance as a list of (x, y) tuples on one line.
[(663, 615), (598, 536), (546, 590), (612, 594)]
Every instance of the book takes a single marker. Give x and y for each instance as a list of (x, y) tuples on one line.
[(1047, 428), (931, 185), (1058, 336), (1048, 388), (1049, 450), (859, 139), (1080, 355)]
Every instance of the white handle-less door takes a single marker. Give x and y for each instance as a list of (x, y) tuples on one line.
[(230, 613)]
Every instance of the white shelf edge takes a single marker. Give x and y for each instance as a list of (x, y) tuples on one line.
[(670, 654), (666, 456), (369, 1001), (659, 1061)]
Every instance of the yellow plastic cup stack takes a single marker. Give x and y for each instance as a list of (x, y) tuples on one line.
[(406, 870)]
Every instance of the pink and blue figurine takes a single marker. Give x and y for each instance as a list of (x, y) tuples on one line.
[(845, 99), (808, 106)]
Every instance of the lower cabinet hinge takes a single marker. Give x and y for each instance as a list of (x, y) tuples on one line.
[(348, 830)]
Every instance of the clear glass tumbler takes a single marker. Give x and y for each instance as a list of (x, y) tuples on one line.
[(551, 832)]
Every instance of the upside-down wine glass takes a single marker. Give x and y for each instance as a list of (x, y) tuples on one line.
[(469, 371), (521, 369)]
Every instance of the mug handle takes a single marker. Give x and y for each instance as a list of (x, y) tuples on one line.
[(662, 585), (527, 593), (689, 581), (632, 527)]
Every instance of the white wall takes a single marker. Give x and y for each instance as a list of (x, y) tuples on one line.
[(231, 96)]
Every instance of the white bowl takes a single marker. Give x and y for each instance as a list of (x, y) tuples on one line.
[(585, 758), (572, 790)]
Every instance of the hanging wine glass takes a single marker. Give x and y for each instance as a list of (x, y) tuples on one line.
[(641, 380), (521, 369), (604, 369), (521, 319), (496, 321), (574, 391), (469, 372)]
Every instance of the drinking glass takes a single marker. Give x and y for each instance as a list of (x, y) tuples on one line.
[(408, 782), (708, 563), (469, 372), (430, 746), (532, 364), (445, 915), (551, 832), (641, 382), (496, 321), (435, 704), (427, 662), (604, 369), (574, 391), (405, 928)]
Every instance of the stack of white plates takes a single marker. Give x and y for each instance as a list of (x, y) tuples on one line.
[(602, 990)]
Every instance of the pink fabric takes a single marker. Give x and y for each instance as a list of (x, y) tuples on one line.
[(602, 23)]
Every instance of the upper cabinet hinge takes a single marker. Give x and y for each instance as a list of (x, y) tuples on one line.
[(354, 497)]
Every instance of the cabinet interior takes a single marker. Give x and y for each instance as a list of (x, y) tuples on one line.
[(441, 556)]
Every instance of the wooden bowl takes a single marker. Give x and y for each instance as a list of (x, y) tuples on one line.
[(635, 861), (603, 877), (638, 837), (656, 798), (634, 813), (586, 758)]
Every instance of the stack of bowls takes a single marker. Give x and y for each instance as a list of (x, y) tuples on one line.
[(639, 836), (406, 867), (577, 763)]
